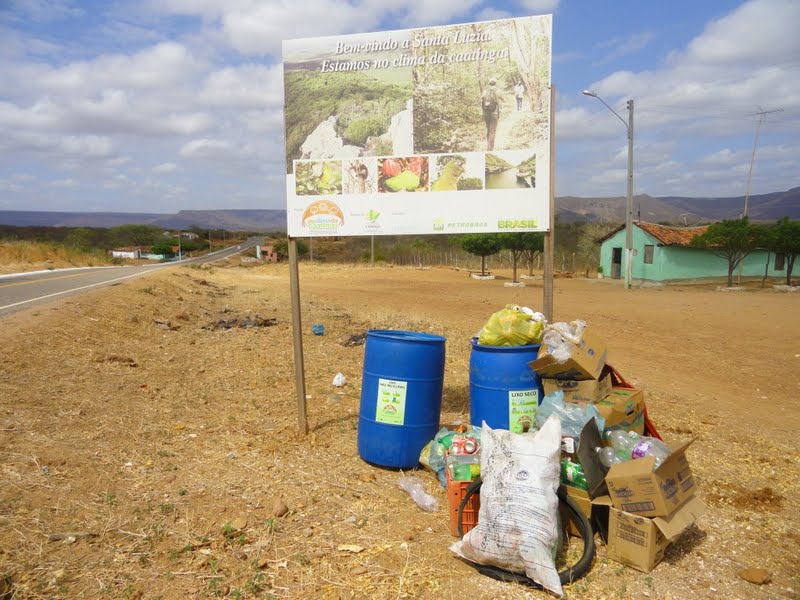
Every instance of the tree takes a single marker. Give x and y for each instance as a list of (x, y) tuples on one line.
[(136, 235), (281, 248), (787, 241), (481, 244), (162, 248), (731, 239), (587, 246), (420, 247), (520, 243)]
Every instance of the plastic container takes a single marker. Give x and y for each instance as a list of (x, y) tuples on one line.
[(456, 490), (401, 396), (503, 390)]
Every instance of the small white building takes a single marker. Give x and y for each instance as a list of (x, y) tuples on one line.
[(132, 253)]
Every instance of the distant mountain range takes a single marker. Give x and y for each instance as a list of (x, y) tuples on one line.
[(569, 209), (230, 220)]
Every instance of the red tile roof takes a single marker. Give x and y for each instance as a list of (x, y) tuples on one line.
[(672, 236)]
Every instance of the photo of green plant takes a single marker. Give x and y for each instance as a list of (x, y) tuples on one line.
[(482, 86), (408, 174), (452, 172), (317, 178), (346, 105), (510, 170)]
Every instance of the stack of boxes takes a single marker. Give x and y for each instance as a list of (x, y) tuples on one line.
[(639, 509)]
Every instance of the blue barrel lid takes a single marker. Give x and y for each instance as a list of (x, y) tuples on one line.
[(410, 336)]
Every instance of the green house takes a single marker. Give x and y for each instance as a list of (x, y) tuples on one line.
[(663, 253)]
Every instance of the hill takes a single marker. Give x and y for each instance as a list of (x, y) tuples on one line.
[(231, 220), (569, 209)]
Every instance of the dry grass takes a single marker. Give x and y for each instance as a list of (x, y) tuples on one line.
[(22, 256), (123, 415)]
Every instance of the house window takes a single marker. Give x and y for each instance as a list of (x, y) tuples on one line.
[(780, 259), (648, 254)]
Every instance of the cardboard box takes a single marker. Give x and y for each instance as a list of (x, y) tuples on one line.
[(623, 408), (584, 503), (580, 392), (640, 542), (587, 360), (635, 488)]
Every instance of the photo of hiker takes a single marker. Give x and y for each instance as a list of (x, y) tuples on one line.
[(519, 94), (490, 103), (481, 87)]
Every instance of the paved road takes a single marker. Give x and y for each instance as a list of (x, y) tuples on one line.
[(23, 290)]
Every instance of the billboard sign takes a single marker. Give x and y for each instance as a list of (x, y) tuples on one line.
[(419, 131)]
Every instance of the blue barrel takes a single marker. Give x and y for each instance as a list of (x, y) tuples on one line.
[(401, 396), (503, 390)]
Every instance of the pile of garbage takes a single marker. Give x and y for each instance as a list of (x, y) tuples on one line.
[(591, 448)]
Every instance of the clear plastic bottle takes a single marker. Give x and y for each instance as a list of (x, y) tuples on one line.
[(607, 456), (631, 445)]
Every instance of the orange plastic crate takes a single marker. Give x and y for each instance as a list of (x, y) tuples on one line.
[(456, 490)]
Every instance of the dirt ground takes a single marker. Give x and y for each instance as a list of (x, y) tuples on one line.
[(148, 452)]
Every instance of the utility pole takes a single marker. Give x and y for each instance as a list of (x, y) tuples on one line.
[(629, 203)]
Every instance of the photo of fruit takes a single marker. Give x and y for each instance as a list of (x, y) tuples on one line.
[(318, 177), (409, 174)]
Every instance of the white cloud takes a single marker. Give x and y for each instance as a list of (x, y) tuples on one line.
[(206, 148), (623, 46), (64, 183), (540, 6), (721, 157), (245, 86), (168, 167), (153, 68)]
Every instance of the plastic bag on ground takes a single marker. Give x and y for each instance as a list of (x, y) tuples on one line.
[(561, 339), (511, 326), (572, 416), (416, 488), (518, 520)]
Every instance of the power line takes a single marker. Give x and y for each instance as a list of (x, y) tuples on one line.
[(762, 114)]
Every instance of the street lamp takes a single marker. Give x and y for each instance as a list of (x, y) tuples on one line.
[(629, 205)]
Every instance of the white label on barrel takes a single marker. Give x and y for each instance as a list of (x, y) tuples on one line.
[(391, 407), (522, 405)]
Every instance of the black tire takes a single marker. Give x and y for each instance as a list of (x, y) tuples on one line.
[(568, 575)]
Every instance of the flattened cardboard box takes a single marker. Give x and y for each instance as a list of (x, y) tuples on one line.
[(587, 360), (640, 542), (622, 409), (583, 502), (635, 488), (587, 390)]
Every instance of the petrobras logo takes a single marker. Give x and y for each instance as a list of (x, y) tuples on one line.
[(438, 225), (323, 216), (517, 224)]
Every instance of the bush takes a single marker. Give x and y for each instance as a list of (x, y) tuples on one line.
[(470, 183), (360, 129)]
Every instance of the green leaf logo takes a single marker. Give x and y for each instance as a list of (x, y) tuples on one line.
[(373, 215)]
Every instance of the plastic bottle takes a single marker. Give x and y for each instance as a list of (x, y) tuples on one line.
[(607, 456), (572, 474), (631, 445)]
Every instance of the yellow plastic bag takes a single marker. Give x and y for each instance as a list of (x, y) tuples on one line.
[(511, 327)]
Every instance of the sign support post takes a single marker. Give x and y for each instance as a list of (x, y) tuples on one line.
[(550, 236), (297, 337)]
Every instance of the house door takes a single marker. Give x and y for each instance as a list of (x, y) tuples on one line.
[(616, 263)]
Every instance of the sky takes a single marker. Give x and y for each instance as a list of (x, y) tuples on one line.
[(167, 105)]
